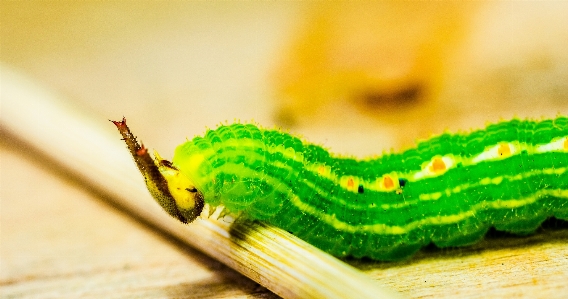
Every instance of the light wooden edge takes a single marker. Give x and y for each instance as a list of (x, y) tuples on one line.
[(92, 151)]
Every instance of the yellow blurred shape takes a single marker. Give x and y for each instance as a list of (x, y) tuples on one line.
[(385, 58)]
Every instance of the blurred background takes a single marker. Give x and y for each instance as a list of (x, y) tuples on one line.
[(168, 67), (357, 77)]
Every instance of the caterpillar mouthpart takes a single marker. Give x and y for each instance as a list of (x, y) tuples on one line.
[(171, 189)]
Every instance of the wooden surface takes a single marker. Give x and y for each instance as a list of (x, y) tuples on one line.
[(498, 267), (58, 239)]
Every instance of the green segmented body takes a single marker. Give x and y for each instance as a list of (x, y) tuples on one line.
[(448, 190)]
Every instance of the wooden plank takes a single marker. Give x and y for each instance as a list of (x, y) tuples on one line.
[(59, 241), (501, 266)]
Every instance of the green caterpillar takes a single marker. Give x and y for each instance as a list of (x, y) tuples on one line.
[(448, 190)]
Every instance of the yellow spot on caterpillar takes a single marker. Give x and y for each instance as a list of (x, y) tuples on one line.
[(350, 183), (504, 150), (566, 144), (387, 182), (438, 165), (499, 151), (323, 171)]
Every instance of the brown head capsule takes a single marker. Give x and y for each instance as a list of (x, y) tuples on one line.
[(172, 190)]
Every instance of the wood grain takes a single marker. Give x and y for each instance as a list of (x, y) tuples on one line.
[(59, 241)]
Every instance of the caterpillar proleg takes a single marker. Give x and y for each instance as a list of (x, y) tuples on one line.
[(448, 190)]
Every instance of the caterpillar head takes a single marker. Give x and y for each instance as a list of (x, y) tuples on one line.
[(172, 190), (187, 199)]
